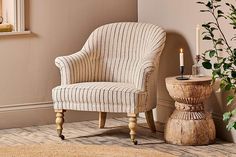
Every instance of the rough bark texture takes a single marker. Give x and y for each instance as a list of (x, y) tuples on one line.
[(190, 124)]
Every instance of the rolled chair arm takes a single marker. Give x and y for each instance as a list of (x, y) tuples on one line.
[(142, 73), (146, 71), (74, 68)]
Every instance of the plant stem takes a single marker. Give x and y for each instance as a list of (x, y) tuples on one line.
[(218, 26)]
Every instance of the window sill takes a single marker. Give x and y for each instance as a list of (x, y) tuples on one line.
[(14, 33)]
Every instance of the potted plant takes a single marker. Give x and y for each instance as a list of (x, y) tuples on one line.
[(223, 67)]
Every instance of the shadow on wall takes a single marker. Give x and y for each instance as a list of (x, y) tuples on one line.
[(169, 66), (217, 105)]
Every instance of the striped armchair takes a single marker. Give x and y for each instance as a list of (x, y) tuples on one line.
[(115, 71)]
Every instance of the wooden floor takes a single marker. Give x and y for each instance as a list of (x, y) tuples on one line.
[(115, 133)]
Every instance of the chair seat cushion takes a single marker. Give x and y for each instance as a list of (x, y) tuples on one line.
[(99, 96)]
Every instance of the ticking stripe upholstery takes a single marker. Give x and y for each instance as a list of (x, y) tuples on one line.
[(99, 96), (124, 55)]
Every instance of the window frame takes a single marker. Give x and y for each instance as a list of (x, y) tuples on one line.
[(17, 16)]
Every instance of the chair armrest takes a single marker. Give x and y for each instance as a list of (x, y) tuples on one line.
[(146, 71), (74, 68), (142, 73)]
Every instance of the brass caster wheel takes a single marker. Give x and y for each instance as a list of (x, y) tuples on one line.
[(62, 137), (135, 142)]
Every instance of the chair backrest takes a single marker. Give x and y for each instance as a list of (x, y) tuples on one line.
[(116, 49)]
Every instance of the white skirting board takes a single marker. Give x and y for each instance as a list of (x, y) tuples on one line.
[(40, 113)]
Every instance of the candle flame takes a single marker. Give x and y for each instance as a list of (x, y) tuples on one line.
[(181, 50)]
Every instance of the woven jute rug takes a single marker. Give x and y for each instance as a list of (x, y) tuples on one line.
[(77, 150)]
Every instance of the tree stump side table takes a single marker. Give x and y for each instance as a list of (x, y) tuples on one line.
[(190, 124)]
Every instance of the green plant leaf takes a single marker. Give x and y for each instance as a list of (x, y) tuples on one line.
[(219, 42), (226, 66), (234, 112), (230, 99), (229, 80), (212, 53), (207, 38), (233, 74), (216, 72), (207, 25), (204, 11), (209, 5), (231, 126), (227, 87), (227, 116), (213, 79), (207, 65), (222, 85), (200, 2), (222, 67), (213, 28), (220, 12), (217, 66)]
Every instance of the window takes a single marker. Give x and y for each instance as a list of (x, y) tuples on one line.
[(0, 7), (13, 12)]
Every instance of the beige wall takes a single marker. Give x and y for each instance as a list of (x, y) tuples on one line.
[(59, 27), (0, 7), (179, 19)]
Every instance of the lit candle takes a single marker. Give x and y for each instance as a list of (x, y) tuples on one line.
[(181, 57), (198, 40)]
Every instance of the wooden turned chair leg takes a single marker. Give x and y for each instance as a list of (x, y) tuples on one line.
[(102, 119), (132, 127), (150, 120), (59, 122)]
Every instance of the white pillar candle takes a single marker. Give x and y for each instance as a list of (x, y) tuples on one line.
[(181, 57), (198, 35)]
